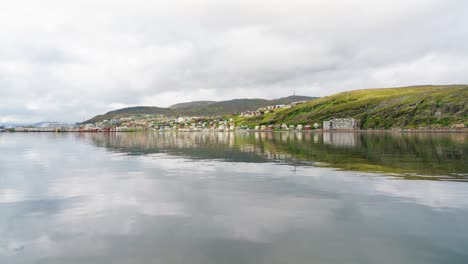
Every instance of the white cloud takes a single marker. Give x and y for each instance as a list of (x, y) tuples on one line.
[(435, 67), (71, 60), (10, 196)]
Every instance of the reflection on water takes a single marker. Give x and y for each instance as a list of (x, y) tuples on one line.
[(232, 198), (414, 156), (341, 139)]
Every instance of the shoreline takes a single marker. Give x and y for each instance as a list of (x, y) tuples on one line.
[(458, 131)]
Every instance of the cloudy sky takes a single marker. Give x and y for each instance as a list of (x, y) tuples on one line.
[(69, 60)]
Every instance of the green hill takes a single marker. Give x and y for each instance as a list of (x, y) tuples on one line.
[(132, 111), (199, 108), (406, 107)]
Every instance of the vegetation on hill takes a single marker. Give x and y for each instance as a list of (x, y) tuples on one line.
[(200, 108), (406, 107), (132, 111), (191, 104), (232, 106)]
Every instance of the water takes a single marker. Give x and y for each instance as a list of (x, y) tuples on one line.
[(233, 198)]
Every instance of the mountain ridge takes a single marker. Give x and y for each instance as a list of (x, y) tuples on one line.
[(199, 108)]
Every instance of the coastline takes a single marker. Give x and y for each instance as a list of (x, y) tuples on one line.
[(460, 131)]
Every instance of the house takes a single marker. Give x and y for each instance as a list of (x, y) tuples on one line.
[(341, 124), (299, 127), (460, 125), (182, 119), (250, 113)]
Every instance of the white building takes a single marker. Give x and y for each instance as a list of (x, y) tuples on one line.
[(341, 124), (182, 119)]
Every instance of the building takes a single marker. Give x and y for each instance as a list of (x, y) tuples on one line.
[(460, 125), (21, 129), (270, 108), (251, 113), (341, 124)]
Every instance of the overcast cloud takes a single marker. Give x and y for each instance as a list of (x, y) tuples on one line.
[(70, 60)]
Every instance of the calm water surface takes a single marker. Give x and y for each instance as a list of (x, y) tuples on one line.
[(233, 198)]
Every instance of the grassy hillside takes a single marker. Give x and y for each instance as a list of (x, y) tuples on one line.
[(409, 107)]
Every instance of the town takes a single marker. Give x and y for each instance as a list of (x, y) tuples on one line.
[(190, 123)]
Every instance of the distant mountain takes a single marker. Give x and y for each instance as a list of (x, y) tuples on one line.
[(291, 99), (191, 104), (198, 108), (132, 111), (38, 124), (13, 125), (405, 107), (233, 106)]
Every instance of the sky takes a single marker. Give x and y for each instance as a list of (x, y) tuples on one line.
[(70, 60)]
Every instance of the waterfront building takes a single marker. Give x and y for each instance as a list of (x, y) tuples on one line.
[(341, 124)]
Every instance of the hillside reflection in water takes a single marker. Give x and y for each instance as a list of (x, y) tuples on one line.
[(436, 156)]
